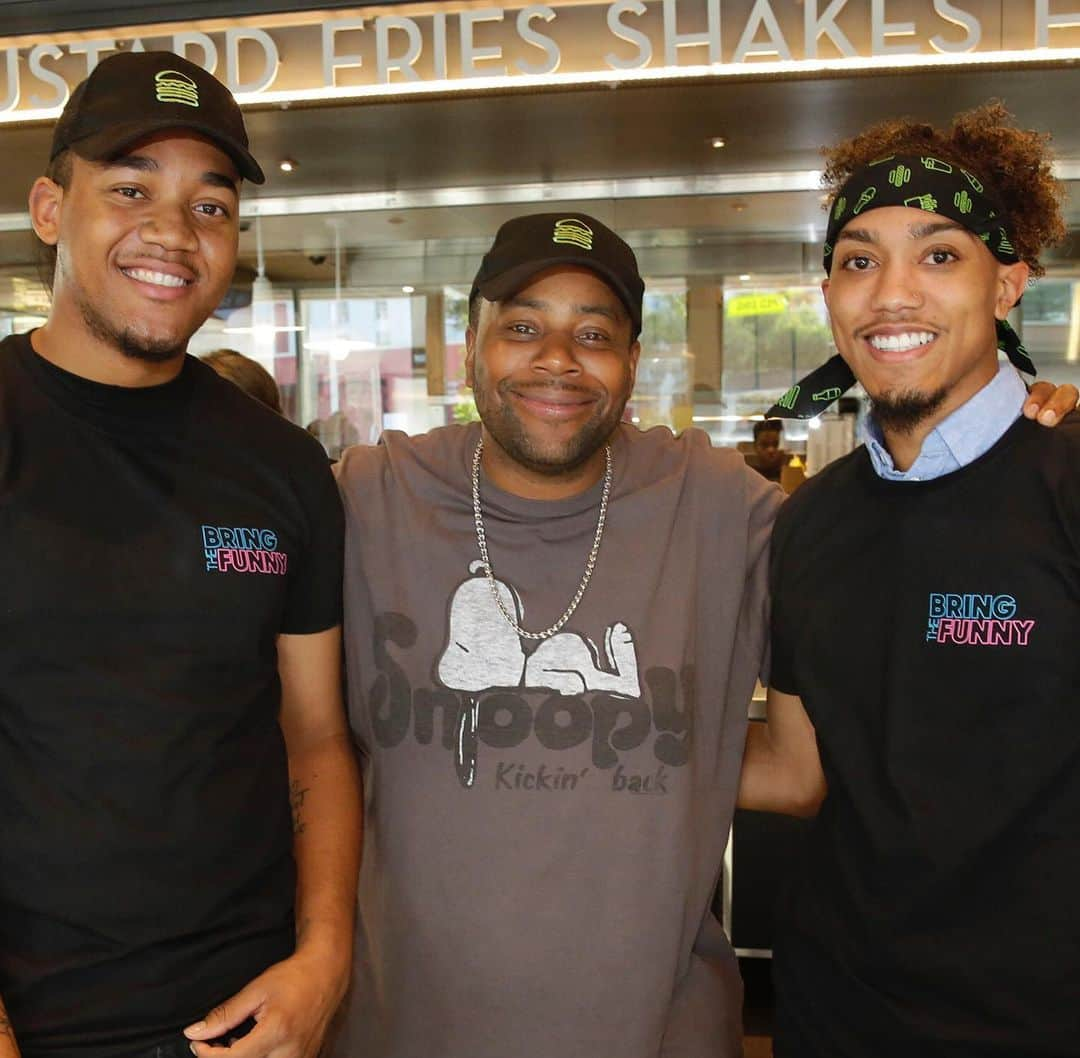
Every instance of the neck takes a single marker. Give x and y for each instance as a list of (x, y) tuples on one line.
[(904, 445), (904, 448), (68, 344), (506, 473)]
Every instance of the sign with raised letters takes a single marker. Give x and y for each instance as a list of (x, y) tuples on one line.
[(432, 48)]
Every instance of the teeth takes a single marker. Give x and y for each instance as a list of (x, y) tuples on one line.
[(158, 279), (897, 343)]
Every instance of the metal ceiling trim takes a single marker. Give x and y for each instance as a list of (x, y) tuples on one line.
[(535, 194)]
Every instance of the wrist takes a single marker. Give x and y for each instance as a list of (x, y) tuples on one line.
[(325, 947)]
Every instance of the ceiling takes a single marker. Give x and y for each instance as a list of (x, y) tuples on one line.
[(553, 141)]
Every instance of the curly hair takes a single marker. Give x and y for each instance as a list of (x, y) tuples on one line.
[(1015, 164)]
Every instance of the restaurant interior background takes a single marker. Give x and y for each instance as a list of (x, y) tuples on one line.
[(396, 139), (394, 148)]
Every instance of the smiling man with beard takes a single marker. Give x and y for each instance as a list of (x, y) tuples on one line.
[(170, 629), (553, 626), (926, 611)]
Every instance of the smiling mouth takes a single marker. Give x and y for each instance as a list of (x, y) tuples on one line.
[(900, 343), (554, 403), (157, 279)]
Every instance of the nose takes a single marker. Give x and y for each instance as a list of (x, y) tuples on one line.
[(898, 287), (556, 355), (171, 227)]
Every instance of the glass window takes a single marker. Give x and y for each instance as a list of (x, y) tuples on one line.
[(663, 394), (774, 331), (458, 397), (262, 328), (1049, 323)]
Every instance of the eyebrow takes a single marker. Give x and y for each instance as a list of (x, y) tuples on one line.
[(141, 163), (915, 231), (584, 310)]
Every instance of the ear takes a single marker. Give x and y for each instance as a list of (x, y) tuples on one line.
[(470, 358), (1012, 282), (46, 199), (825, 290)]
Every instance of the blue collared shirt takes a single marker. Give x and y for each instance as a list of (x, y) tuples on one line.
[(960, 438)]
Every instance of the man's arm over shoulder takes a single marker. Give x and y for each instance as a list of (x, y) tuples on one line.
[(358, 465), (781, 765)]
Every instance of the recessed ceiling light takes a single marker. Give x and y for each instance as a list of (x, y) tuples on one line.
[(716, 142), (745, 277), (287, 165), (408, 289), (739, 207)]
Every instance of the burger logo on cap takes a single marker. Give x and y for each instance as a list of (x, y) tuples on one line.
[(176, 87), (573, 232)]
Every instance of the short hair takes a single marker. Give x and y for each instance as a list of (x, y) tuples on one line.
[(247, 374), (474, 310), (768, 426), (59, 172), (1015, 164)]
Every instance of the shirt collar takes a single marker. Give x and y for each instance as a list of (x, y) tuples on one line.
[(961, 437)]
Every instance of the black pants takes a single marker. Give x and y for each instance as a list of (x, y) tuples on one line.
[(180, 1046)]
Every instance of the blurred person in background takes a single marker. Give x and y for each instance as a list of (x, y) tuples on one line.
[(248, 374), (768, 449)]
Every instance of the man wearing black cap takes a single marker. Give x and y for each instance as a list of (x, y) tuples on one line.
[(926, 611), (554, 623), (169, 635)]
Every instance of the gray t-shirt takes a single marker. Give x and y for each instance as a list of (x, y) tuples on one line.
[(546, 820)]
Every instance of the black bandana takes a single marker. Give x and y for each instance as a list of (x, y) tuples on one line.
[(919, 182)]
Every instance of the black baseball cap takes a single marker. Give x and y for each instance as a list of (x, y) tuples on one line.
[(525, 246), (130, 95)]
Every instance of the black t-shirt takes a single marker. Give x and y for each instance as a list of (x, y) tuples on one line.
[(932, 630), (153, 544)]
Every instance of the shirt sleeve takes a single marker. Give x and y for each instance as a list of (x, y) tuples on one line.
[(314, 593), (781, 674), (764, 500), (357, 476)]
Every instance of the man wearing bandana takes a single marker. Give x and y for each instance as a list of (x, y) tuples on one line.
[(926, 610)]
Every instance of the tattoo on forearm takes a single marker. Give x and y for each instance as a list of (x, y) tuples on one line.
[(297, 793)]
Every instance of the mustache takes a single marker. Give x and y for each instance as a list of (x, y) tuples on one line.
[(142, 255), (509, 386), (901, 320)]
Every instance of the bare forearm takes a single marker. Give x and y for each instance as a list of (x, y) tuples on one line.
[(8, 1047), (781, 766), (766, 785), (327, 825)]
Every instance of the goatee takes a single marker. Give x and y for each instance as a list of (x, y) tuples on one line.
[(510, 434), (127, 341), (902, 412)]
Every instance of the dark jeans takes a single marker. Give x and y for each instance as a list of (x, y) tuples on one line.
[(180, 1046)]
